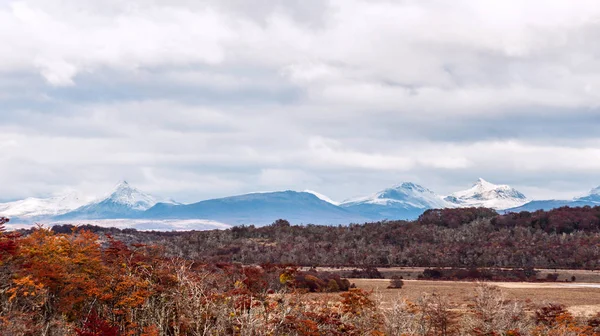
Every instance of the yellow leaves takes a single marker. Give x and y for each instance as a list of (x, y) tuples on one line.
[(285, 277), (26, 287)]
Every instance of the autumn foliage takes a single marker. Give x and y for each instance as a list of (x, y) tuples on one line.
[(83, 284)]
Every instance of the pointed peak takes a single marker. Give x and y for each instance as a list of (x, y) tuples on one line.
[(409, 186), (123, 185), (482, 181), (595, 191), (484, 193), (484, 184)]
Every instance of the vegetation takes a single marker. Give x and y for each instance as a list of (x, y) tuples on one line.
[(242, 281), (565, 238)]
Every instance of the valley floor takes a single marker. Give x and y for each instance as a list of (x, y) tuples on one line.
[(580, 298)]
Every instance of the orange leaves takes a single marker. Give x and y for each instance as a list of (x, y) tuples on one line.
[(8, 243), (69, 266), (27, 288), (356, 301), (71, 273), (555, 320), (303, 327)]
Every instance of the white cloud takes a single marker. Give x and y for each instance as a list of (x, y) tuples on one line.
[(207, 98)]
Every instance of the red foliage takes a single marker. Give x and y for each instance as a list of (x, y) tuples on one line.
[(8, 244), (95, 326)]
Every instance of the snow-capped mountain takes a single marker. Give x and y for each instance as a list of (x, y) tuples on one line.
[(131, 197), (127, 204), (592, 198), (486, 194), (259, 209), (322, 197), (125, 201), (404, 201), (32, 207)]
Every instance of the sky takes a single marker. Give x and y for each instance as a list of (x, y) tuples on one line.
[(208, 98)]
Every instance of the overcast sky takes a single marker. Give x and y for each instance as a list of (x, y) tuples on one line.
[(201, 99)]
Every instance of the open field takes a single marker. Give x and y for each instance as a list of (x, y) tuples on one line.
[(412, 273), (580, 298)]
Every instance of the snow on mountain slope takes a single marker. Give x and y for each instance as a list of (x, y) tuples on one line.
[(131, 197), (404, 201), (486, 194), (124, 202), (593, 196), (407, 193), (259, 209), (33, 207), (322, 197)]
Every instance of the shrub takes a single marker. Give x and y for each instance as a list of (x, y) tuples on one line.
[(550, 314), (396, 282), (366, 273)]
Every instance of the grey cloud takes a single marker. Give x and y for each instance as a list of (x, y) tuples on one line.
[(195, 99)]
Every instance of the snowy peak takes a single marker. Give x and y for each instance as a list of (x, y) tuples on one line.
[(592, 196), (125, 194), (322, 197), (38, 207), (595, 191), (489, 195), (407, 193), (124, 201)]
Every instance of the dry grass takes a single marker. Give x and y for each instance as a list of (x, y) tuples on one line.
[(412, 273), (580, 301)]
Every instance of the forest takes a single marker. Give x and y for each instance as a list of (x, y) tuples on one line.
[(567, 238), (87, 280)]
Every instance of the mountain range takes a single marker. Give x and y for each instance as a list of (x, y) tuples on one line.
[(127, 205)]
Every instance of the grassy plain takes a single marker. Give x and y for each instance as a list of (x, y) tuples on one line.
[(579, 298)]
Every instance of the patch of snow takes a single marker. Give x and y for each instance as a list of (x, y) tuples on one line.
[(40, 207), (133, 198), (489, 195), (139, 224), (322, 197), (593, 196), (406, 193)]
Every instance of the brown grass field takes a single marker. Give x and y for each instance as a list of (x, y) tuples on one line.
[(412, 273), (579, 298)]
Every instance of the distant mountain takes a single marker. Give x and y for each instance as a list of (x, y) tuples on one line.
[(124, 202), (322, 197), (404, 201), (592, 198), (33, 208), (486, 194), (259, 209)]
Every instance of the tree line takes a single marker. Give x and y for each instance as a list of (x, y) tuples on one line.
[(567, 238)]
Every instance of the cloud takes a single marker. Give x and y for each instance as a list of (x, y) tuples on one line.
[(198, 99)]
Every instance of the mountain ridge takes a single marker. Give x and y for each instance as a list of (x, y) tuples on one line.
[(404, 201), (485, 194), (591, 198)]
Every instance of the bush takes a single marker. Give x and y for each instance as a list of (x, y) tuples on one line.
[(549, 315), (396, 282), (315, 281), (366, 273)]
